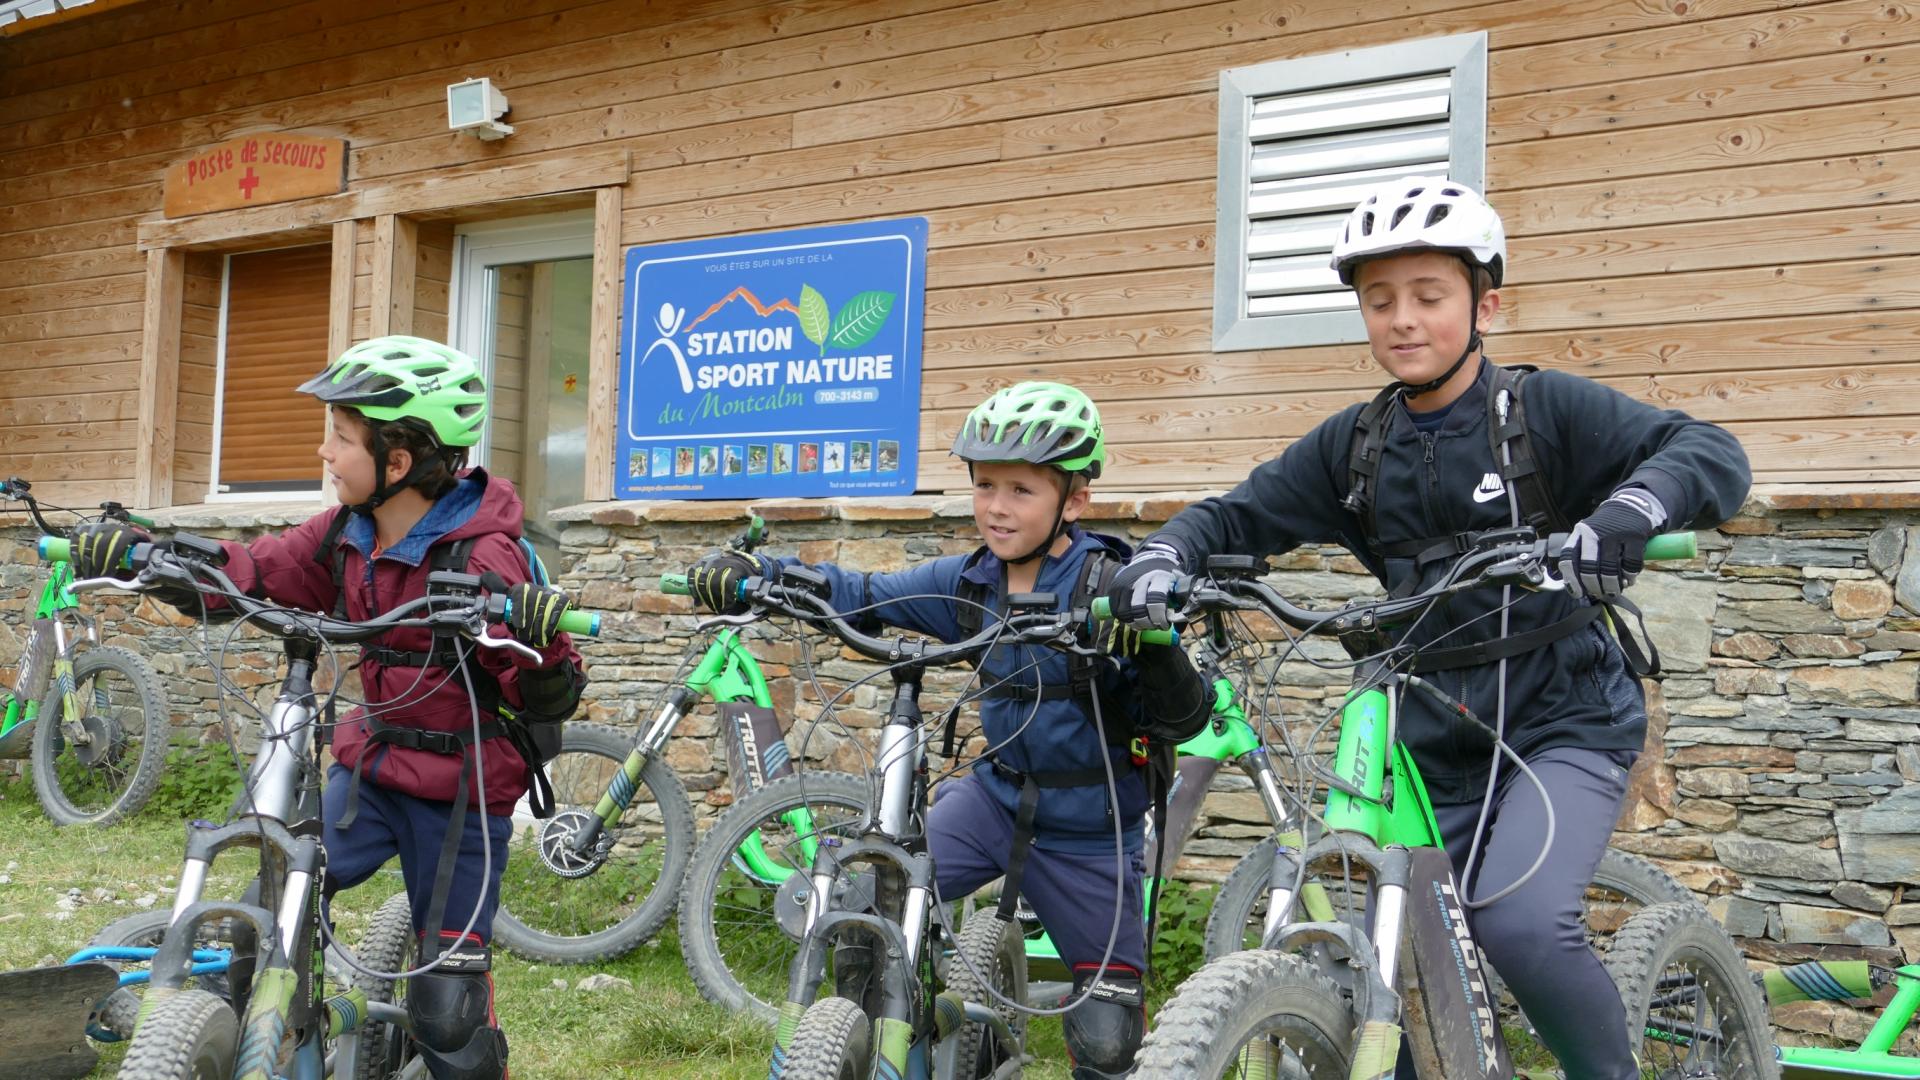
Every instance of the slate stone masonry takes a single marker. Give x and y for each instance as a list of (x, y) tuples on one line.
[(1782, 775)]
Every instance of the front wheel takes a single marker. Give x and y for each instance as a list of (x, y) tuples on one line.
[(101, 763), (114, 1016), (1255, 1013), (563, 906), (745, 905), (833, 1042), (191, 1035), (989, 963), (389, 945), (1692, 1007)]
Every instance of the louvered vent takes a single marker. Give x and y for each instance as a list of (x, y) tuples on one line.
[(1301, 142)]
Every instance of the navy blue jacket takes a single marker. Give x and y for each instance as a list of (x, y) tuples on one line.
[(1056, 736), (1589, 441)]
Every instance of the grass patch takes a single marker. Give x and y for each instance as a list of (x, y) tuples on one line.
[(661, 1028)]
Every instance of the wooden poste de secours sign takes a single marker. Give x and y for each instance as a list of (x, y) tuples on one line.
[(254, 170)]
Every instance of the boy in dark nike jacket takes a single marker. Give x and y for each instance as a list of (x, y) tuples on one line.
[(1425, 257)]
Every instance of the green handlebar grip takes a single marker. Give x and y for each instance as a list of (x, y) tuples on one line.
[(143, 522), (1103, 610), (676, 584), (56, 549), (1674, 545), (756, 528), (583, 623)]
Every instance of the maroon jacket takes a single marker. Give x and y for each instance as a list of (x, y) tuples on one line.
[(283, 568)]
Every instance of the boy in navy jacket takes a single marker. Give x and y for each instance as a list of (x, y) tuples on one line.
[(1032, 450)]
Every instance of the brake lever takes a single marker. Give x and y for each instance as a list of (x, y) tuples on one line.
[(81, 585), (1530, 568), (488, 641)]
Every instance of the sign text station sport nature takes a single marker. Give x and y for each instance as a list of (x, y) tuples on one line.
[(779, 364)]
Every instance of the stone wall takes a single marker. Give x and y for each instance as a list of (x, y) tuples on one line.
[(1781, 783)]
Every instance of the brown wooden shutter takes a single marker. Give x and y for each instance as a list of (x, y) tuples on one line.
[(276, 337)]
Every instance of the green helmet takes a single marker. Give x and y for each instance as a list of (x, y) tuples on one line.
[(1043, 423), (408, 378)]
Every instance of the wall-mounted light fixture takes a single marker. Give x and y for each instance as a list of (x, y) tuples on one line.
[(476, 106)]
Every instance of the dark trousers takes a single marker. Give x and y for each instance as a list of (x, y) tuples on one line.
[(1535, 937), (392, 823), (970, 835)]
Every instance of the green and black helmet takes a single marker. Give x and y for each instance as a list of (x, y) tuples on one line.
[(436, 386), (1043, 423)]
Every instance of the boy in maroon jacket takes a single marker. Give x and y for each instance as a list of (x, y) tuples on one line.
[(405, 410)]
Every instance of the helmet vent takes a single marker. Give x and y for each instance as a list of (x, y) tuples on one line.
[(1399, 214), (1438, 214)]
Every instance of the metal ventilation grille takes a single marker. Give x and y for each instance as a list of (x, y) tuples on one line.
[(1313, 156)]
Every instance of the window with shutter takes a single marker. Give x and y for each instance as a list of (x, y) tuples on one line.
[(273, 337), (1301, 141)]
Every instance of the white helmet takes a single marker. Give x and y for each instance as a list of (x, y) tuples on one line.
[(1422, 213)]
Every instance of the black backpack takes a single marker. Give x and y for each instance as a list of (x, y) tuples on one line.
[(1523, 474)]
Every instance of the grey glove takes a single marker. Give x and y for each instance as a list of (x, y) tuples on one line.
[(1137, 596), (1606, 552)]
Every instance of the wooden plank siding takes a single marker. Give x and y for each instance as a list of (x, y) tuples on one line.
[(1711, 205)]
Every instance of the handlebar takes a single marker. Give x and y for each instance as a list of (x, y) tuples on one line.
[(465, 610), (1518, 558), (797, 600), (17, 489)]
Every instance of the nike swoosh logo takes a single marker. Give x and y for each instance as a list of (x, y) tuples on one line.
[(1484, 494)]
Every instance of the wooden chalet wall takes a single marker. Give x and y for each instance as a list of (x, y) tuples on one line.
[(1711, 202)]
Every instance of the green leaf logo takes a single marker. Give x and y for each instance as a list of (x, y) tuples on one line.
[(814, 319), (860, 318)]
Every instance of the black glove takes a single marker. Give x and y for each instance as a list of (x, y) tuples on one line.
[(715, 580), (533, 612), (1606, 552), (1137, 595), (100, 548)]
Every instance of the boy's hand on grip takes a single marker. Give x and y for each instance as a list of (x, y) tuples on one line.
[(1115, 638), (1606, 552), (534, 611), (100, 548), (714, 581), (1137, 595)]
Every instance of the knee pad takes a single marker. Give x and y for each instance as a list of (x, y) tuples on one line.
[(451, 1008), (1105, 1032)]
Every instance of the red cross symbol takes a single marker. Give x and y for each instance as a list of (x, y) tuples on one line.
[(249, 182)]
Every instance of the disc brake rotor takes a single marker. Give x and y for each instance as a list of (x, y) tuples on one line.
[(556, 845), (106, 741), (852, 892)]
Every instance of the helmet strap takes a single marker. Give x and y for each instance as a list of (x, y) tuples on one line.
[(382, 491), (1053, 534), (1473, 340)]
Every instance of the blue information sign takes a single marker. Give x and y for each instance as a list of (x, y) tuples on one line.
[(780, 364)]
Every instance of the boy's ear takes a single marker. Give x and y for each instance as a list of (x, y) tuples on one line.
[(399, 463), (1489, 307), (1078, 495)]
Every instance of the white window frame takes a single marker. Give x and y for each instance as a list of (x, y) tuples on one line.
[(481, 246), (1460, 57), (318, 492)]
